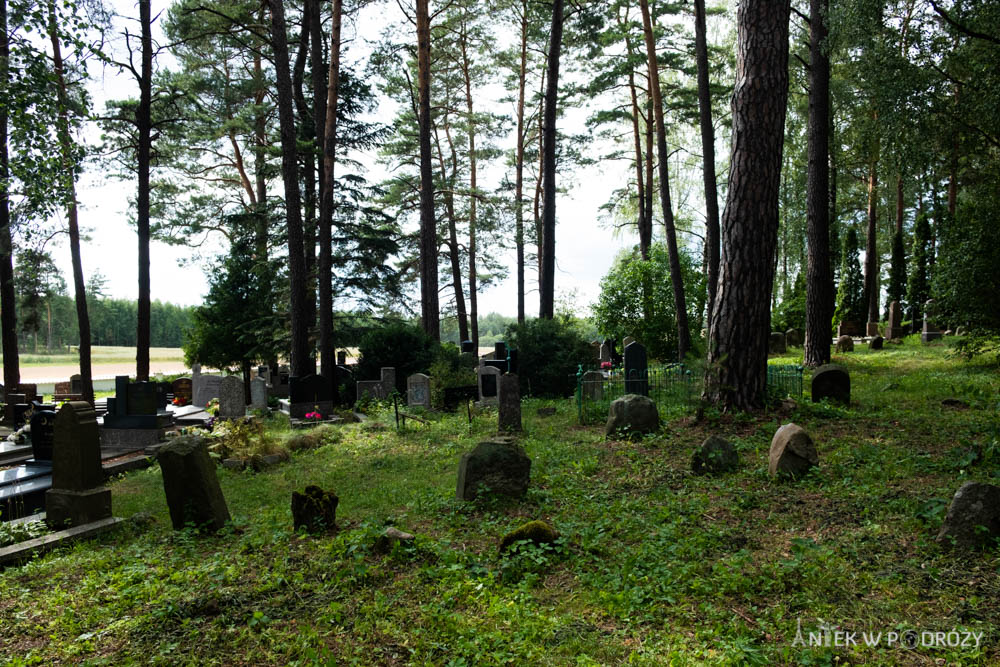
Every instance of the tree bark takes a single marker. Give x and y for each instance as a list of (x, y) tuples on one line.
[(871, 249), (736, 372), (299, 354), (473, 185), (328, 356), (307, 134), (143, 124), (452, 242), (819, 275), (546, 283), (522, 80), (708, 153), (644, 223), (69, 171), (430, 312), (677, 280), (899, 203), (8, 299)]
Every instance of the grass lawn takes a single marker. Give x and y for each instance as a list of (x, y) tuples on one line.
[(654, 566), (100, 355)]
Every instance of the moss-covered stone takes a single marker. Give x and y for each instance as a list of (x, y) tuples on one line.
[(536, 532), (315, 509)]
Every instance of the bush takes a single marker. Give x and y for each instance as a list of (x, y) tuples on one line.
[(549, 354), (403, 346), (450, 369)]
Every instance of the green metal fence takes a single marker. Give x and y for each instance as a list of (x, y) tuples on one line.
[(595, 390), (784, 380)]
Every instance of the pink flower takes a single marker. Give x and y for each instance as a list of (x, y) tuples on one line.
[(314, 415), (605, 364)]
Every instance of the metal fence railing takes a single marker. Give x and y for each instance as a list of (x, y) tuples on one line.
[(595, 390), (784, 380)]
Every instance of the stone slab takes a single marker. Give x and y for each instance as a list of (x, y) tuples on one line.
[(17, 553)]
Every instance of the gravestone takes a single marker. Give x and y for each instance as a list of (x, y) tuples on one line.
[(136, 415), (833, 382), (203, 387), (310, 393), (930, 331), (872, 330), (876, 343), (232, 398), (314, 509), (632, 415), (30, 392), (183, 390), (636, 370), (845, 344), (792, 452), (76, 384), (776, 343), (191, 484), (593, 386), (605, 354), (15, 408), (894, 326), (468, 347), (973, 518), (78, 494), (63, 391), (512, 361), (488, 384), (501, 466), (508, 404), (627, 340), (500, 351), (793, 338), (381, 388), (341, 357), (716, 455), (258, 394), (595, 348), (850, 328), (43, 423), (418, 391)]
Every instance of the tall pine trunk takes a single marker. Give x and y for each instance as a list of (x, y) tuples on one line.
[(307, 134), (328, 357), (429, 310), (452, 242), (473, 186), (66, 148), (819, 274), (8, 299), (708, 153), (871, 248), (676, 279), (299, 353), (643, 222), (736, 373), (547, 280), (143, 124), (522, 80)]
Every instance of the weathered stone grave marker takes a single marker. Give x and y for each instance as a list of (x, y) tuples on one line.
[(508, 403), (232, 398), (191, 484), (78, 494), (636, 370), (418, 391), (258, 394)]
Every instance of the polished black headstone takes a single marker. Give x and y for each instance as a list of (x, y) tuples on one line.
[(636, 369)]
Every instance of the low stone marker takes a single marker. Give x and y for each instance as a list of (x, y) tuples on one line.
[(792, 452), (776, 343), (793, 338), (632, 415), (716, 455), (418, 391), (501, 465), (876, 343), (845, 344), (831, 381), (78, 495), (536, 532), (488, 384), (191, 484), (232, 399), (973, 518), (508, 404), (314, 509)]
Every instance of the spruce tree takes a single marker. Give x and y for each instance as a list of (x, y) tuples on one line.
[(897, 272), (920, 287), (851, 303)]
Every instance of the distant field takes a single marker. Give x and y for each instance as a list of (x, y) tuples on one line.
[(101, 355)]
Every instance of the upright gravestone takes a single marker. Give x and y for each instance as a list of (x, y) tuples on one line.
[(496, 467), (341, 357), (776, 343), (593, 386), (872, 330), (833, 382), (232, 398), (930, 331), (42, 433), (636, 370), (894, 326), (627, 340), (605, 355), (182, 390), (500, 351), (258, 394), (418, 391), (488, 384), (310, 393), (203, 387), (15, 407), (76, 384), (595, 348), (381, 388), (136, 415), (468, 347), (78, 494), (508, 404), (194, 496), (793, 338)]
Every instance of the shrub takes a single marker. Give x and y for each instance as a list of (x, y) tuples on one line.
[(791, 312), (243, 439), (549, 354), (405, 347), (450, 369)]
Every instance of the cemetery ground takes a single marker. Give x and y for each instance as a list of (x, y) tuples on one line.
[(653, 565)]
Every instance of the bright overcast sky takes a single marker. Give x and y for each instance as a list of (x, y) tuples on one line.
[(584, 247)]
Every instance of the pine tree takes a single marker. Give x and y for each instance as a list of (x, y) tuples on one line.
[(897, 271), (851, 303), (920, 286)]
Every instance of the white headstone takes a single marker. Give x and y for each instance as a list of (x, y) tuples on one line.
[(418, 390), (258, 393)]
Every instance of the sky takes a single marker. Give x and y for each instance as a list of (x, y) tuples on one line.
[(585, 248)]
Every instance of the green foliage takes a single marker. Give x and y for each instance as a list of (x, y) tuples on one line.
[(12, 533), (549, 353), (450, 369), (398, 344), (919, 288), (896, 291), (791, 312), (851, 304), (243, 439), (637, 300)]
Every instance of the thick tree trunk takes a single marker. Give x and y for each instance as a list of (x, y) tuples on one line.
[(899, 204), (143, 124), (680, 303), (650, 124), (522, 80), (299, 355), (66, 146), (307, 134), (736, 372), (8, 299), (473, 201), (430, 312), (819, 275), (708, 153), (547, 281), (871, 249), (328, 356)]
